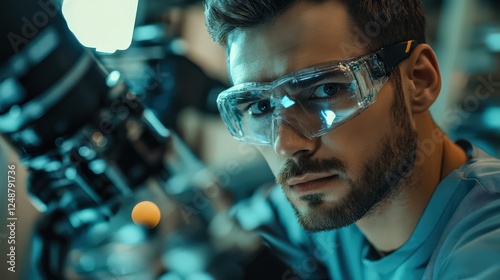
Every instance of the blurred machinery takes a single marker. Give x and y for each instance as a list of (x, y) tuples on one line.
[(466, 37), (93, 151), (97, 143)]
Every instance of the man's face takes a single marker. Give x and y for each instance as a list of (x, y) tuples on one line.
[(336, 179)]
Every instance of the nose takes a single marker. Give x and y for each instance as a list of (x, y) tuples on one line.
[(289, 142)]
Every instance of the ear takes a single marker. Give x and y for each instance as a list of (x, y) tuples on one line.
[(424, 78)]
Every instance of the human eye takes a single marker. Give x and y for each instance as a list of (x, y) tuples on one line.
[(328, 90), (260, 107)]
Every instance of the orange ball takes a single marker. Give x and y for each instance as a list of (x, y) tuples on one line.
[(146, 213)]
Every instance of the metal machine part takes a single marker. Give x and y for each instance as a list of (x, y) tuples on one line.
[(93, 150)]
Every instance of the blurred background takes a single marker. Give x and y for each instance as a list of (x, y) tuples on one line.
[(166, 57)]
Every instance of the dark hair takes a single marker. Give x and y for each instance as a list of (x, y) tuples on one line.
[(382, 22)]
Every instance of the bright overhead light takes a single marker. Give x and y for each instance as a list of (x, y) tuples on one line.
[(106, 25)]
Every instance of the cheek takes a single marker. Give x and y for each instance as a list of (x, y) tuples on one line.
[(360, 140), (374, 124), (273, 160)]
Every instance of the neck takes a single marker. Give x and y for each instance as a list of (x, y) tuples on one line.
[(392, 224)]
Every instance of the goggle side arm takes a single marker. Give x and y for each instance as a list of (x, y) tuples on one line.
[(393, 55)]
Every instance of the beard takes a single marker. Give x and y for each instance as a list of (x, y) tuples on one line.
[(382, 178)]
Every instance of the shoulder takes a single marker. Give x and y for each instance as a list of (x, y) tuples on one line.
[(471, 248), (485, 170)]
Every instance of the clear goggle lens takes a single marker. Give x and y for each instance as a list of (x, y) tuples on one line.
[(314, 101)]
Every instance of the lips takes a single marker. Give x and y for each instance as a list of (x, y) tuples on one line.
[(306, 178), (311, 182)]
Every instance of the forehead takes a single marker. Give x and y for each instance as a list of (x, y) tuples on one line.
[(306, 34)]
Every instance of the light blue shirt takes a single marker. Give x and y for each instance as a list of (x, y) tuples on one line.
[(457, 237)]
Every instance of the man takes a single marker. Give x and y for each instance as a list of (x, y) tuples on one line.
[(336, 95)]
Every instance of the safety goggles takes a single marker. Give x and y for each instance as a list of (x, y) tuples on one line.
[(314, 101)]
